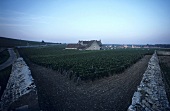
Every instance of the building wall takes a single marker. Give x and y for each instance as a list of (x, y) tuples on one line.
[(70, 48), (94, 46)]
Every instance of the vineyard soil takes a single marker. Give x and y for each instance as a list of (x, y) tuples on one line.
[(56, 92)]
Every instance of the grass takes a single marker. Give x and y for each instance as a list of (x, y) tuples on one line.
[(165, 68), (166, 71), (4, 76), (4, 55), (17, 53)]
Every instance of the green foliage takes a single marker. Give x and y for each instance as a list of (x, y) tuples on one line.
[(88, 65), (4, 55)]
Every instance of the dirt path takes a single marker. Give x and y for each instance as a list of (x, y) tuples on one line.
[(56, 92), (10, 60)]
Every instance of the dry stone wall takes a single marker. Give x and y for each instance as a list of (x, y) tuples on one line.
[(166, 53), (150, 94), (19, 83)]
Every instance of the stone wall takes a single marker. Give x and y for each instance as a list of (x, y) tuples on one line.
[(166, 53), (20, 83), (150, 94)]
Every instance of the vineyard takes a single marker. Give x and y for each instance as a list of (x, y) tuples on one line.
[(84, 65), (4, 55)]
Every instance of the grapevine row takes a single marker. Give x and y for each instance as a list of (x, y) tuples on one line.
[(87, 65)]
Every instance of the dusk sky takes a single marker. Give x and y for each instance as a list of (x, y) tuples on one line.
[(67, 21)]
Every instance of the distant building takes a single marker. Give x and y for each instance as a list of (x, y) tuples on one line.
[(125, 46), (86, 45), (73, 46), (136, 46)]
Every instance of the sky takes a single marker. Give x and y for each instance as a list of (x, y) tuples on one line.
[(67, 21)]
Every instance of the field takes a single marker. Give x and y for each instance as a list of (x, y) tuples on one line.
[(57, 91), (10, 42), (4, 76), (85, 65), (165, 67), (85, 80), (4, 55)]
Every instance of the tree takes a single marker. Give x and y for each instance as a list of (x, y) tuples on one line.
[(43, 41)]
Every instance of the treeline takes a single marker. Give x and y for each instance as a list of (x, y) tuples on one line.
[(10, 42)]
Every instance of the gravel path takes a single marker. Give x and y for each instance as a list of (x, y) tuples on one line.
[(10, 60), (56, 92)]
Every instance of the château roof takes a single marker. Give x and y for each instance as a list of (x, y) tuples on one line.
[(73, 45), (86, 44), (78, 46)]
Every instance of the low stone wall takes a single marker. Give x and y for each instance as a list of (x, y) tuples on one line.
[(150, 94), (19, 84), (166, 53)]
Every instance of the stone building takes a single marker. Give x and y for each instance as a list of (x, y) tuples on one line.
[(86, 45)]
